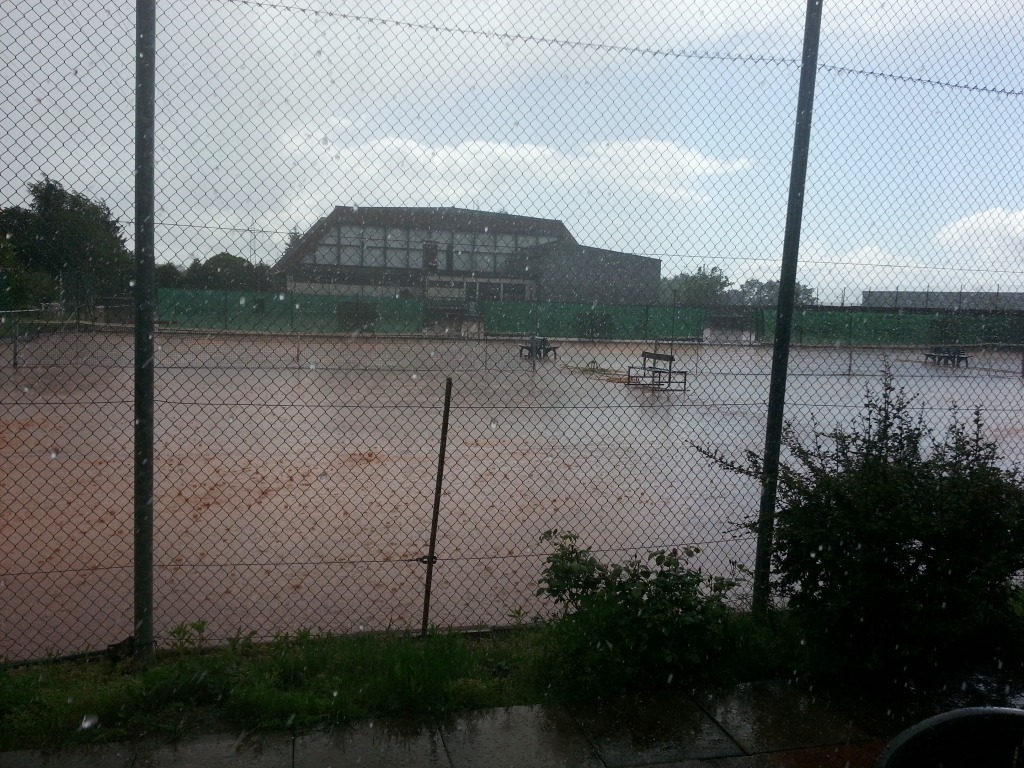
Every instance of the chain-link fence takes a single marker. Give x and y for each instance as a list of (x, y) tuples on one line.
[(575, 212)]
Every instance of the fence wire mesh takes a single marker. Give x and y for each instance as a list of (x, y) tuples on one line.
[(574, 212)]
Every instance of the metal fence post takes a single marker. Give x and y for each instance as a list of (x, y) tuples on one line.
[(431, 558), (784, 311), (145, 125)]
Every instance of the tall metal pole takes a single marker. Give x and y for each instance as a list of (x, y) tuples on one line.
[(784, 311), (145, 145)]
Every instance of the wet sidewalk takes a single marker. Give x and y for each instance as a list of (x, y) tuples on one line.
[(754, 725)]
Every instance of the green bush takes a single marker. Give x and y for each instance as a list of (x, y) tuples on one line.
[(899, 554), (647, 620)]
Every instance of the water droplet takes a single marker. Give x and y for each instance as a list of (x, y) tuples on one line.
[(88, 722), (54, 453), (493, 424), (322, 477)]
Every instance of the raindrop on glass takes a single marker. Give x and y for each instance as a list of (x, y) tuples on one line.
[(322, 477)]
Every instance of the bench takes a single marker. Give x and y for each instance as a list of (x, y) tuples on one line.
[(947, 356), (538, 346), (655, 370)]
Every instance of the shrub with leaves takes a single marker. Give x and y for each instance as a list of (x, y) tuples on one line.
[(656, 617), (898, 553)]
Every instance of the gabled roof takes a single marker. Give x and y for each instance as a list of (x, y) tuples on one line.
[(461, 219)]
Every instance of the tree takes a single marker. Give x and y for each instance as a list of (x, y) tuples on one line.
[(168, 276), (227, 272), (19, 288), (72, 240), (758, 293), (703, 288)]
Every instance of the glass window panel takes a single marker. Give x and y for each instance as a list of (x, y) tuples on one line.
[(462, 259), (484, 262), (351, 255), (398, 237), (330, 237), (373, 236), (500, 259), (373, 256), (351, 235), (463, 240), (506, 243), (485, 241), (326, 254), (398, 256), (417, 237)]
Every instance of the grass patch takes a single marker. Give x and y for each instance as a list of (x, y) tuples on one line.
[(307, 682)]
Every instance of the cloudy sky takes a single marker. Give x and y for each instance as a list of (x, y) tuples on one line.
[(644, 126)]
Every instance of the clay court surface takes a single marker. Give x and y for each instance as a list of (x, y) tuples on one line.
[(295, 476)]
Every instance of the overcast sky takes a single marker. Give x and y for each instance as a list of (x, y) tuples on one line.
[(644, 126)]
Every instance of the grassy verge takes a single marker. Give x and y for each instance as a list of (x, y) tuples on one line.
[(308, 682)]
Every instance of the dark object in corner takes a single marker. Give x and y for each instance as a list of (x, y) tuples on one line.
[(974, 737)]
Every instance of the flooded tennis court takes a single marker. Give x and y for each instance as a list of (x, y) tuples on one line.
[(295, 476)]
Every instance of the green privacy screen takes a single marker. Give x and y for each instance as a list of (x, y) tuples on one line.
[(292, 313)]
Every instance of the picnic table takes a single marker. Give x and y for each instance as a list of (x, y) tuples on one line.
[(946, 356), (538, 346), (656, 371)]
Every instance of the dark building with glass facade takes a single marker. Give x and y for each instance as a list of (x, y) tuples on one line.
[(455, 258)]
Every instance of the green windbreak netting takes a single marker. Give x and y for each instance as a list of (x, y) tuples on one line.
[(593, 321), (296, 313), (898, 328)]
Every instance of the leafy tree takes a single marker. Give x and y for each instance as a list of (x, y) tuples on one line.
[(19, 288), (765, 293), (227, 272), (703, 288), (168, 276), (71, 239)]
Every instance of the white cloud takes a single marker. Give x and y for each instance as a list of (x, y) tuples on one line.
[(996, 231), (476, 174)]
